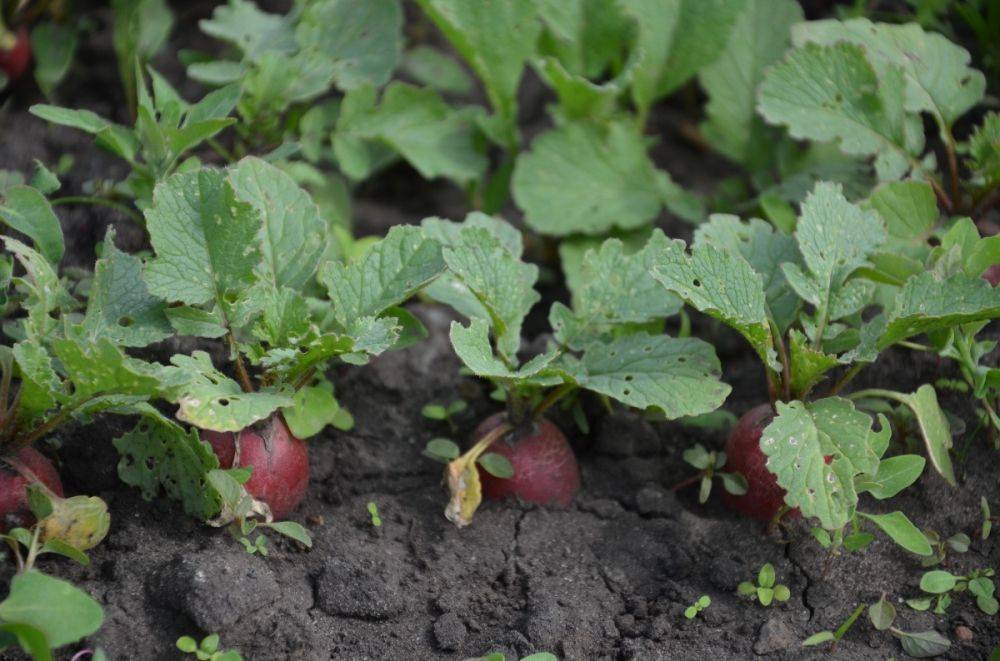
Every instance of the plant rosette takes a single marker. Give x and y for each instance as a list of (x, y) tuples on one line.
[(799, 300), (610, 342)]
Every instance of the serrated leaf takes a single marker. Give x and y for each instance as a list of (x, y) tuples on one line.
[(938, 77), (472, 346), (242, 24), (760, 36), (807, 364), (292, 233), (496, 39), (45, 291), (101, 368), (40, 385), (674, 40), (390, 272), (894, 474), (158, 454), (502, 284), (582, 179), (797, 443), (364, 40), (62, 612), (855, 106), (436, 139), (26, 210), (679, 376), (901, 530), (930, 302), (120, 306), (723, 286), (205, 239)]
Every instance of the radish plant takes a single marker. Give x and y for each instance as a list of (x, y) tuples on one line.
[(241, 257), (609, 342), (799, 301)]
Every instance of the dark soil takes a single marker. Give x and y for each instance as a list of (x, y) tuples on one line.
[(608, 578)]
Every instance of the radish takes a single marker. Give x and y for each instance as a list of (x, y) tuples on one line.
[(280, 462), (992, 275), (545, 468), (27, 467), (15, 53), (764, 498)]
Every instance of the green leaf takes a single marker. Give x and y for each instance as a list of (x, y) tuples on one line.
[(901, 530), (937, 73), (496, 465), (159, 454), (40, 385), (909, 209), (800, 438), (807, 364), (984, 156), (38, 500), (53, 47), (782, 593), (391, 271), (858, 541), (120, 306), (766, 576), (496, 39), (929, 302), (746, 589), (45, 291), (697, 456), (100, 368), (759, 38), (933, 427), (674, 40), (924, 645), (434, 412), (734, 483), (894, 474), (208, 399), (583, 179), (679, 376), (765, 596), (585, 36), (205, 238), (244, 25), (854, 106), (292, 233), (187, 644), (293, 530), (26, 210), (500, 282), (472, 346), (938, 582), (579, 98), (84, 120), (364, 40), (62, 612), (721, 285), (436, 139), (442, 449), (882, 613), (818, 639), (312, 409), (432, 68), (59, 547)]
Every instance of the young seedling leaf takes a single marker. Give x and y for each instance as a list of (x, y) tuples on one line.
[(442, 449), (497, 465), (924, 644), (292, 530), (766, 576), (902, 531), (60, 611), (938, 582), (818, 639), (894, 474), (313, 408)]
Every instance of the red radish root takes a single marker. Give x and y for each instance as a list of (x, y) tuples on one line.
[(280, 462), (31, 466), (764, 498), (545, 468), (14, 60)]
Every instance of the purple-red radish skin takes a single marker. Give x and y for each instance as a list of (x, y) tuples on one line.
[(14, 62), (14, 510)]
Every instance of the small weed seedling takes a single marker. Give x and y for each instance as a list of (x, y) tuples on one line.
[(608, 343), (207, 649), (833, 637), (957, 543), (939, 585), (537, 656), (987, 527), (374, 515), (445, 412), (692, 611), (765, 590), (709, 465)]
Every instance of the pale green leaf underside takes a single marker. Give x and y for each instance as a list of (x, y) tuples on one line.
[(27, 211), (472, 346)]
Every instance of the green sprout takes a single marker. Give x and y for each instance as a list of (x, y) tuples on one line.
[(373, 512), (208, 649), (704, 601), (765, 590)]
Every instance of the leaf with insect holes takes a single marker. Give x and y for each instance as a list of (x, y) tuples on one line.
[(902, 531), (502, 284), (721, 285), (584, 179), (797, 443), (472, 346), (765, 249), (612, 290), (40, 385), (759, 38), (158, 454), (59, 611), (292, 231), (101, 368), (496, 39), (448, 288), (120, 306), (435, 138), (391, 271), (26, 210), (938, 77), (855, 106), (930, 302), (674, 40), (363, 39), (835, 237), (205, 239), (894, 474), (208, 399), (678, 376)]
